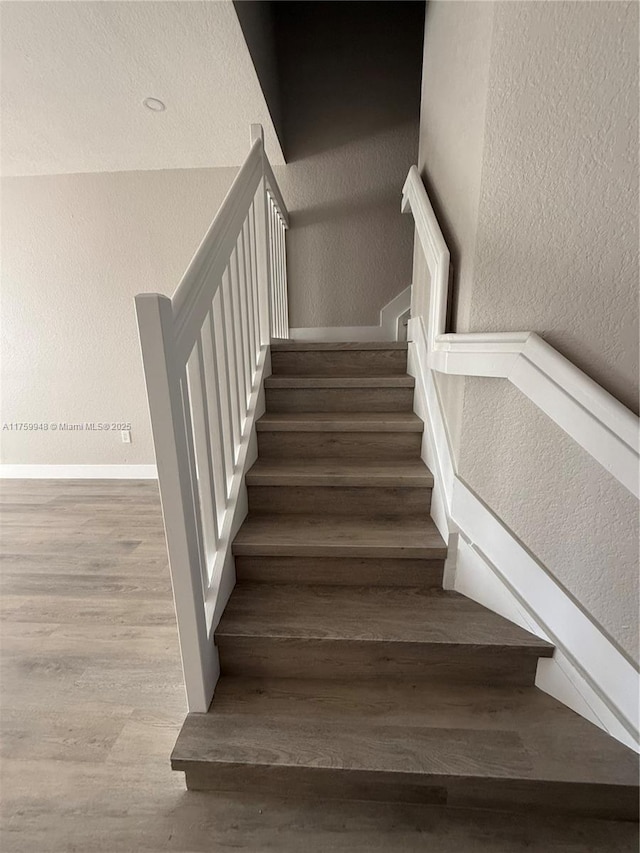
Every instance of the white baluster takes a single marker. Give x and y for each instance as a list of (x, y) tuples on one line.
[(200, 461), (274, 262), (238, 337), (226, 372), (279, 233), (285, 287), (244, 314), (251, 319), (210, 376), (234, 369), (256, 275)]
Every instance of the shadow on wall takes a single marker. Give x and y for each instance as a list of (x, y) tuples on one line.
[(350, 76), (342, 210), (347, 70), (340, 246)]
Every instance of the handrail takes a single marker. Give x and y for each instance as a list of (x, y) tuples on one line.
[(205, 355), (595, 419), (202, 276)]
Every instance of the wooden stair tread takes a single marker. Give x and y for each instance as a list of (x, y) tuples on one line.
[(391, 381), (339, 472), (326, 346), (441, 733), (346, 671), (301, 535), (339, 422), (370, 614)]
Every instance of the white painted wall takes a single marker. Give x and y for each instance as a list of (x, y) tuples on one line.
[(544, 232), (75, 251)]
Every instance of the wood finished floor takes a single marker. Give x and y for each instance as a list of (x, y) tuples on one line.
[(92, 700)]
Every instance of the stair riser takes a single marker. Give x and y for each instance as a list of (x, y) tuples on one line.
[(338, 500), (339, 399), (340, 363), (340, 571), (269, 547), (339, 445), (439, 663), (596, 801)]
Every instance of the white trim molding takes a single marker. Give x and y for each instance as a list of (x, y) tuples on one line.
[(391, 327), (487, 562), (583, 409), (78, 472)]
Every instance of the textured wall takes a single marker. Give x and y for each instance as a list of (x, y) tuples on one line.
[(559, 198), (454, 93), (75, 251), (349, 247), (452, 121), (553, 248)]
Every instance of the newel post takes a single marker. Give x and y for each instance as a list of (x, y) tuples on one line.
[(262, 245), (163, 377)]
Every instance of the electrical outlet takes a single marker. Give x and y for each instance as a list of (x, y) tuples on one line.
[(126, 436)]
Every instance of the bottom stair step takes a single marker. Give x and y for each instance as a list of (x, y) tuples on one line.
[(503, 748)]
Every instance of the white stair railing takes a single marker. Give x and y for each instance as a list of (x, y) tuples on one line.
[(598, 422), (487, 561), (205, 354)]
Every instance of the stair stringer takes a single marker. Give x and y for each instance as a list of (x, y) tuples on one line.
[(589, 673)]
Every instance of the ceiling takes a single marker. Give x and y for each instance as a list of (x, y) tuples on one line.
[(74, 75)]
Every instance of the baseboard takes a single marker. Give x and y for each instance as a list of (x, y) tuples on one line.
[(78, 472), (338, 334), (387, 330), (588, 672)]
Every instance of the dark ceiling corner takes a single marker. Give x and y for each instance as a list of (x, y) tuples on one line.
[(257, 22), (346, 70)]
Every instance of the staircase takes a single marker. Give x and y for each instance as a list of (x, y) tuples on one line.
[(347, 671)]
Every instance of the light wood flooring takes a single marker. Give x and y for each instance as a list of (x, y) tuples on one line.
[(92, 700)]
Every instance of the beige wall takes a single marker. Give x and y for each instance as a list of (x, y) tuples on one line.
[(75, 251), (349, 248), (452, 120), (544, 229)]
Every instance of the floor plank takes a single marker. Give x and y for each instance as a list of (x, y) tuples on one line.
[(104, 784)]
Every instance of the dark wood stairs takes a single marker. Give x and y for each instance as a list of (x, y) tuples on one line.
[(347, 670)]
